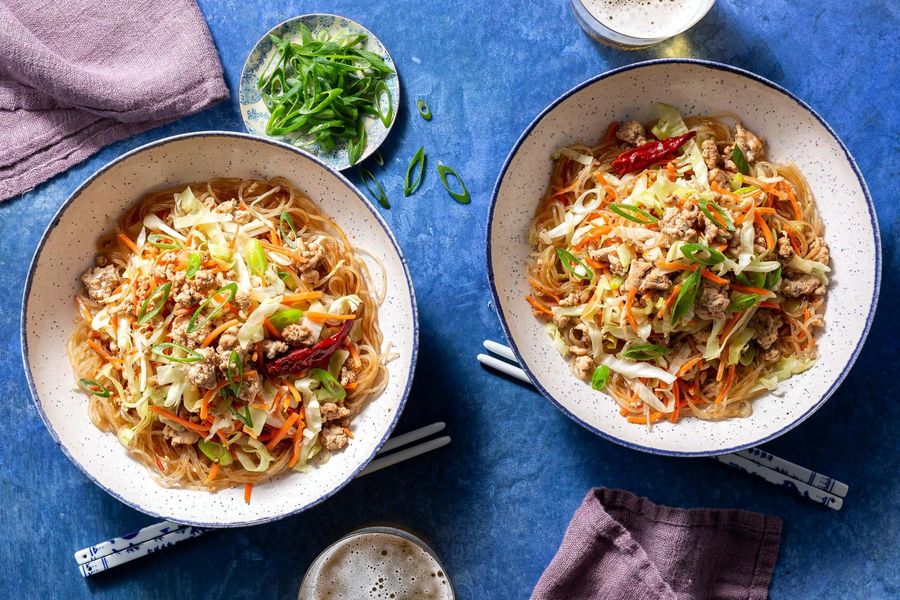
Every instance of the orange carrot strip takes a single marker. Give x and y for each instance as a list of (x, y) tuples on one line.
[(204, 402), (248, 489), (217, 332), (798, 214), (282, 431), (728, 381), (271, 329), (707, 274), (688, 365), (641, 419), (315, 315), (115, 362), (542, 288), (183, 422), (729, 325), (673, 416), (628, 303), (750, 290), (669, 301), (301, 297), (770, 305), (212, 473), (767, 233), (721, 369), (538, 306), (127, 242), (298, 437), (675, 266)]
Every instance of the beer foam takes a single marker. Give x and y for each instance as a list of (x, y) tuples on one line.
[(646, 19), (380, 566)]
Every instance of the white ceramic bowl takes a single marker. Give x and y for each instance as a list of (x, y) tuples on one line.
[(794, 132), (67, 249)]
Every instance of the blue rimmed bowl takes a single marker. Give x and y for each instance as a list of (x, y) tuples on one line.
[(67, 249), (794, 133), (255, 113)]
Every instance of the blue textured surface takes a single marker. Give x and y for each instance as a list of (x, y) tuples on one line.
[(496, 502)]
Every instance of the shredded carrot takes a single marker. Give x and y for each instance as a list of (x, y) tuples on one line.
[(765, 187), (354, 355), (314, 315), (721, 368), (204, 402), (707, 274), (675, 266), (566, 190), (794, 239), (212, 473), (622, 411), (751, 290), (688, 365), (595, 234), (273, 331), (641, 419), (538, 306), (542, 288), (770, 305), (83, 309), (729, 325), (728, 381), (248, 489), (295, 393), (217, 332), (766, 210), (798, 214), (767, 233), (669, 301), (282, 431), (628, 303), (673, 416), (593, 263), (183, 422), (301, 297), (298, 437), (127, 242), (350, 386), (347, 432), (740, 218), (115, 362), (670, 171)]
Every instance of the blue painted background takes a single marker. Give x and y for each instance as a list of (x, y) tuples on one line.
[(496, 502)]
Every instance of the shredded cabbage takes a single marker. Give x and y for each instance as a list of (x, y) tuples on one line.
[(634, 369), (785, 368), (558, 342), (151, 221), (738, 344), (576, 156), (252, 329), (645, 394), (310, 433), (811, 267), (248, 447)]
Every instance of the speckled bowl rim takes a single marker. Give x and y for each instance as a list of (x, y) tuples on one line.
[(257, 139), (369, 150), (736, 71)]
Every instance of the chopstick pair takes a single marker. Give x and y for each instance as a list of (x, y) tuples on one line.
[(806, 482), (120, 550)]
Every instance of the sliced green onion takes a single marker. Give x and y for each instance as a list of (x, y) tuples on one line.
[(331, 385), (357, 143), (772, 278), (378, 158), (381, 89), (740, 162), (686, 296), (461, 197), (192, 355), (94, 387), (705, 205), (416, 164), (194, 324), (752, 279), (747, 355), (741, 302), (632, 213), (246, 418), (158, 297), (288, 316), (288, 280), (692, 252), (737, 181), (193, 264), (571, 263), (645, 352), (256, 258), (600, 377), (424, 110), (377, 192), (747, 189), (285, 226), (163, 241), (234, 372), (216, 452)]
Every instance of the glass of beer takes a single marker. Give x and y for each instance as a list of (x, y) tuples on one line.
[(633, 24), (377, 562)]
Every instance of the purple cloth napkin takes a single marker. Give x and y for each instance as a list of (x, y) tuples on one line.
[(76, 75), (620, 546)]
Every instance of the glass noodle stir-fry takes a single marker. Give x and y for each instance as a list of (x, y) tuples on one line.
[(677, 268), (227, 333)]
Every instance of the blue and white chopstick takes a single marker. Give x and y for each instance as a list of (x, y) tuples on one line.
[(809, 484), (119, 550)]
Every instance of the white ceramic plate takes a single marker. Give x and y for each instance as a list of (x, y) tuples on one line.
[(794, 132), (67, 249), (256, 115)]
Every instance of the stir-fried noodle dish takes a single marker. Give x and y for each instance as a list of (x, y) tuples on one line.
[(227, 333), (678, 269)]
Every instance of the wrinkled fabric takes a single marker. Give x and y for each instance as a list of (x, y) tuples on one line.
[(76, 75), (620, 546)]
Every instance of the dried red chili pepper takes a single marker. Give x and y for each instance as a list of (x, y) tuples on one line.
[(305, 358), (646, 154)]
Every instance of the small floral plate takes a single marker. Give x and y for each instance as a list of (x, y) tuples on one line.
[(255, 113)]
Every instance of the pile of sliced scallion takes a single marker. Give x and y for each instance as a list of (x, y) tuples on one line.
[(324, 87)]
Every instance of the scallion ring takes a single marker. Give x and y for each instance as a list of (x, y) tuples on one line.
[(285, 227), (196, 322), (600, 377), (772, 278), (686, 296), (572, 264), (385, 115), (632, 213), (461, 197), (234, 372), (328, 382), (424, 110), (245, 418), (695, 253), (256, 258), (645, 352), (94, 388), (417, 163), (287, 316), (378, 158), (193, 265), (192, 355), (723, 215), (163, 241), (377, 192), (741, 302), (739, 160), (158, 297)]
